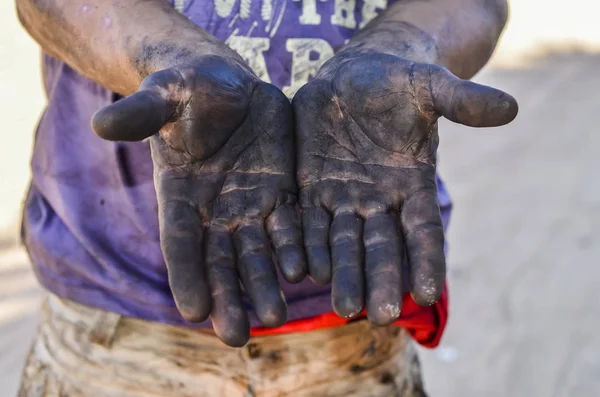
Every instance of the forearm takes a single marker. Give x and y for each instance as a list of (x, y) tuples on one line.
[(457, 34), (116, 43)]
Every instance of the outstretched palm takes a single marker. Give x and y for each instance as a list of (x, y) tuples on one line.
[(224, 175), (367, 139)]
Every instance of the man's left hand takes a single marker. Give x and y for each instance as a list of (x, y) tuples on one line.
[(366, 132)]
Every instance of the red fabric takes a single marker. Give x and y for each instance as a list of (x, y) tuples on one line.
[(425, 324)]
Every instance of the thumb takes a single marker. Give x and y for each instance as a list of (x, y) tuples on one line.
[(469, 103), (134, 118)]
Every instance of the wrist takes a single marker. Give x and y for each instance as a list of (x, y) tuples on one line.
[(155, 55), (395, 38)]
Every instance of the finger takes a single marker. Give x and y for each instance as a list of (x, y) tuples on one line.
[(347, 254), (315, 225), (284, 230), (181, 243), (471, 104), (258, 274), (134, 118), (383, 268), (228, 315), (424, 238)]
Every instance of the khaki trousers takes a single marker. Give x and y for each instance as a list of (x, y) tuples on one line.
[(81, 351)]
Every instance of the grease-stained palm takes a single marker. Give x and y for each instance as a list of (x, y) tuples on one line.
[(224, 168), (367, 138)]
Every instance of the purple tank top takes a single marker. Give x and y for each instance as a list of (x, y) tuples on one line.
[(90, 219)]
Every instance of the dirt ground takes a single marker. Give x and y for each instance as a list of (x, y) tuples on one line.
[(525, 235)]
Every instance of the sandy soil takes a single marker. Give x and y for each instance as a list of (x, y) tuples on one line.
[(525, 236)]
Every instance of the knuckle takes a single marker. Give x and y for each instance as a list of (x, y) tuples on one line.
[(348, 237)]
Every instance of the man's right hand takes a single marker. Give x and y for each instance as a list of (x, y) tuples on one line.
[(224, 176)]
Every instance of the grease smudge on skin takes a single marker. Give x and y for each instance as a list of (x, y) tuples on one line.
[(391, 310)]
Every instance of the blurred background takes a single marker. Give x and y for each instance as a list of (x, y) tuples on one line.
[(525, 235)]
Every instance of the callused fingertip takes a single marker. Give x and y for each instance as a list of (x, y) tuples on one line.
[(496, 111), (233, 337), (274, 315), (292, 264), (426, 294), (193, 301), (508, 107), (294, 274), (102, 122), (384, 314), (231, 325), (193, 314), (347, 307)]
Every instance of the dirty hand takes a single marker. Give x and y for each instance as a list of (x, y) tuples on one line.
[(224, 175), (366, 133)]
